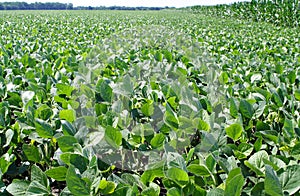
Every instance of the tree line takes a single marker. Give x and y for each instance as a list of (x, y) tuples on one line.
[(65, 6)]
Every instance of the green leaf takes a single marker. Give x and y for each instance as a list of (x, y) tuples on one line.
[(288, 129), (64, 89), (296, 149), (38, 175), (79, 161), (158, 140), (256, 162), (66, 143), (178, 175), (234, 131), (290, 178), (170, 117), (258, 144), (75, 184), (68, 128), (113, 136), (44, 112), (256, 77), (18, 187), (107, 187), (43, 129), (9, 134), (158, 56), (272, 184), (297, 95), (276, 98), (27, 96), (148, 109), (149, 175), (65, 157), (174, 192), (68, 115), (105, 91), (233, 109), (234, 182), (203, 126), (35, 188), (246, 109), (57, 173), (198, 170), (223, 78), (258, 189), (216, 192), (32, 153)]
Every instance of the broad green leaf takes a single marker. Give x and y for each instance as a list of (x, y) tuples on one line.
[(153, 189), (57, 173), (149, 175), (234, 131), (44, 112), (296, 149), (174, 192), (258, 144), (113, 136), (272, 184), (66, 143), (216, 192), (79, 162), (68, 115), (171, 118), (178, 175), (148, 109), (65, 157), (233, 109), (258, 189), (198, 170), (32, 153), (276, 98), (27, 96), (64, 89), (43, 129), (256, 162), (290, 178), (203, 126), (75, 184), (35, 188), (105, 91), (107, 187), (18, 187), (158, 56), (39, 176), (172, 102), (246, 109), (256, 77), (223, 78), (292, 77), (234, 182), (158, 140), (288, 129), (68, 128)]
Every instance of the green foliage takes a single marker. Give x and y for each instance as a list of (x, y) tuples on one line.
[(278, 12), (149, 103)]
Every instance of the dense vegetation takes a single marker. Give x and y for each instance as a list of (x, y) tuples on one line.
[(64, 6), (278, 12), (147, 103)]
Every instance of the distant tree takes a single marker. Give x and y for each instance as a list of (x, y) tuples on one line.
[(69, 6)]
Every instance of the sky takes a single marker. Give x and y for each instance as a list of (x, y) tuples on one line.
[(135, 3)]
